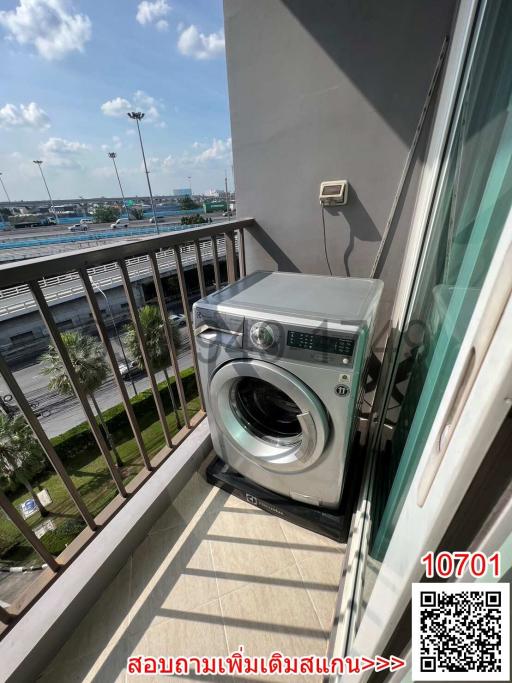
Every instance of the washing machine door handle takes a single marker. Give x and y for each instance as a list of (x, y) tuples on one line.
[(309, 436)]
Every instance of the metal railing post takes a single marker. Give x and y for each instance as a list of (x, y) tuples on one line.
[(216, 269), (199, 267), (188, 318), (102, 331), (56, 338), (132, 305), (169, 337), (241, 252), (45, 442), (231, 256), (26, 531)]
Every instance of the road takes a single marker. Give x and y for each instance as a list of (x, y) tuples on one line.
[(58, 413)]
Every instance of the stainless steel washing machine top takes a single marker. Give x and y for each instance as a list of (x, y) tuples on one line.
[(280, 360)]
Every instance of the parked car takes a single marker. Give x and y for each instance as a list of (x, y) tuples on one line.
[(130, 370), (120, 223), (78, 227), (178, 320)]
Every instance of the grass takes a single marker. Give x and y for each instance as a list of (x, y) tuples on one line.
[(91, 477)]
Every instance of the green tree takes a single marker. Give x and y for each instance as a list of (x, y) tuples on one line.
[(187, 203), (154, 334), (136, 213), (195, 219), (106, 214), (90, 364), (21, 456)]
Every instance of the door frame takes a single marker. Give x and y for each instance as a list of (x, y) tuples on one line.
[(466, 28)]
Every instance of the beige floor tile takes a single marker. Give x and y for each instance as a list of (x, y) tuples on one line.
[(106, 621), (305, 544), (321, 576), (198, 632), (277, 615), (246, 546), (194, 500), (171, 569), (105, 666)]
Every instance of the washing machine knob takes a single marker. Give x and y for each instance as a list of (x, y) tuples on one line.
[(262, 336)]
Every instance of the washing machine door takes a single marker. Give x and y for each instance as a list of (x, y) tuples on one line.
[(268, 415)]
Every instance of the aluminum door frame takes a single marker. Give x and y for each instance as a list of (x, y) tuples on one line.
[(461, 50), (486, 405)]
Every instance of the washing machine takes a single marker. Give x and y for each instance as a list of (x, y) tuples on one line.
[(280, 358)]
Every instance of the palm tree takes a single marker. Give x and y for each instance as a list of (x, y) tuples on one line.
[(91, 367), (154, 334), (20, 455)]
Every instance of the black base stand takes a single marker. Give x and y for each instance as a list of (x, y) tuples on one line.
[(331, 523)]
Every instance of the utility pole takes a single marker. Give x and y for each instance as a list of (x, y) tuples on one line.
[(137, 116), (1, 181), (113, 155), (39, 164)]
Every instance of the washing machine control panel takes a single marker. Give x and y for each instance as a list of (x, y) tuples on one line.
[(263, 335), (298, 343)]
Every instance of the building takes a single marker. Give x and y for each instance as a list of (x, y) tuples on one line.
[(409, 102)]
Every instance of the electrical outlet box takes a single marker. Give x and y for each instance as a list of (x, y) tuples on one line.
[(333, 192)]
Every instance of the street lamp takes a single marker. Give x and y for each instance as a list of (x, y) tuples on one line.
[(137, 116), (39, 164), (95, 284), (113, 155), (1, 181)]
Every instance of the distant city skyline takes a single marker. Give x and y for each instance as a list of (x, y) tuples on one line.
[(69, 80)]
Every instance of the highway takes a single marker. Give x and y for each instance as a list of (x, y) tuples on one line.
[(59, 413)]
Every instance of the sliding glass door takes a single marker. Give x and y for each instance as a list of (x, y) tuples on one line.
[(435, 363)]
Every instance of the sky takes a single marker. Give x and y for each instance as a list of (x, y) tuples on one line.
[(71, 69)]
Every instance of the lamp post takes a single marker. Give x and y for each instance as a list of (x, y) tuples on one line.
[(95, 284), (137, 116), (1, 181), (39, 164), (113, 155)]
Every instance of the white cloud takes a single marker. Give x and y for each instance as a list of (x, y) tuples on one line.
[(219, 150), (48, 25), (63, 153), (116, 107), (120, 106), (192, 43), (115, 144), (150, 12), (30, 116)]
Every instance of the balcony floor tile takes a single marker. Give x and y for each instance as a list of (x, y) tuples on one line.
[(213, 573)]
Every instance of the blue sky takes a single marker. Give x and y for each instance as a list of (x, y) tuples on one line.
[(70, 69)]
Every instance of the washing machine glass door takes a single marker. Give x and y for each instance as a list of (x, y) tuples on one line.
[(268, 415)]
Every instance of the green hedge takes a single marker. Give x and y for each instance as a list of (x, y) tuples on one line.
[(56, 541), (75, 440)]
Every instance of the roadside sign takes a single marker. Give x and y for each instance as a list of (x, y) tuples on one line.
[(44, 497), (41, 529), (28, 508)]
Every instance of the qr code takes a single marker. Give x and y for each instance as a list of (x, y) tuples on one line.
[(460, 632)]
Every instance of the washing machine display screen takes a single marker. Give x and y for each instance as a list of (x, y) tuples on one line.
[(316, 342)]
